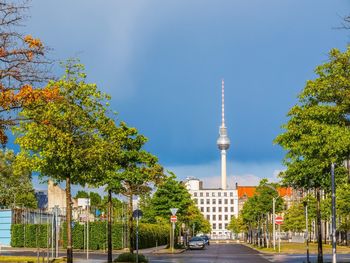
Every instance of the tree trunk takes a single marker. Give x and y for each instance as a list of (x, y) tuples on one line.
[(325, 231), (69, 221), (109, 226), (131, 226), (319, 231)]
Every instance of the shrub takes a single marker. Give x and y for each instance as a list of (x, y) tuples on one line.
[(128, 257), (29, 235)]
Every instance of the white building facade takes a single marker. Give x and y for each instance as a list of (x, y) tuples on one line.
[(217, 205)]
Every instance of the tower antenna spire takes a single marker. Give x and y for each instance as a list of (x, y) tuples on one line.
[(222, 103)]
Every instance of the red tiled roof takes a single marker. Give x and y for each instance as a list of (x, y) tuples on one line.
[(249, 191)]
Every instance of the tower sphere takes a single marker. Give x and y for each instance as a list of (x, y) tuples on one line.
[(223, 141)]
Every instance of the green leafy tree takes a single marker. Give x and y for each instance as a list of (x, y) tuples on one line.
[(137, 172), (14, 176), (343, 208), (317, 133), (236, 224), (294, 219), (170, 194), (82, 194), (173, 194), (63, 139)]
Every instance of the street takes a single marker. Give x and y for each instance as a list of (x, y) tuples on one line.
[(215, 253)]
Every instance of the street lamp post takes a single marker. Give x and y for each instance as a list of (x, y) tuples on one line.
[(334, 244), (173, 212), (274, 222), (274, 215)]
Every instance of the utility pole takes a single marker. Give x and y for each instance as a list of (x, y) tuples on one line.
[(274, 222), (307, 233), (334, 243)]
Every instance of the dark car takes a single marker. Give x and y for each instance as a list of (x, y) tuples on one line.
[(196, 242), (206, 239)]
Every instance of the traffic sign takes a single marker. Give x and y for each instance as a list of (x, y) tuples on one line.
[(173, 211), (173, 219), (279, 220), (137, 213)]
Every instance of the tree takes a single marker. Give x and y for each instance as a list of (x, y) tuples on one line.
[(120, 143), (82, 194), (173, 194), (236, 225), (294, 219), (317, 133), (169, 194), (23, 66), (14, 176), (137, 172), (63, 140)]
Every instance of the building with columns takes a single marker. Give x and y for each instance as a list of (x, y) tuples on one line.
[(218, 205)]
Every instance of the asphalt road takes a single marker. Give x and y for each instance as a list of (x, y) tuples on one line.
[(215, 253)]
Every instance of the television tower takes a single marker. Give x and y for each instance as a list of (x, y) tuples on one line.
[(223, 141)]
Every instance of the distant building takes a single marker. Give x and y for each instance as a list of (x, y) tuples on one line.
[(42, 199), (217, 205), (57, 197)]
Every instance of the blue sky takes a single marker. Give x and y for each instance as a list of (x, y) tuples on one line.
[(162, 62)]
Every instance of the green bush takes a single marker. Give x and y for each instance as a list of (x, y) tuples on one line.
[(151, 235), (29, 235), (128, 257)]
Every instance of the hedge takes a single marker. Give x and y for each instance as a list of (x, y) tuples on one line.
[(27, 235)]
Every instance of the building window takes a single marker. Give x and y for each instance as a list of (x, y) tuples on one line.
[(214, 217), (201, 194), (214, 226), (231, 201), (219, 193), (195, 194), (231, 208), (231, 194), (213, 194), (219, 201), (220, 217), (214, 209), (202, 201), (202, 209), (225, 194), (226, 209), (226, 226), (208, 201), (226, 217), (195, 200), (220, 210), (226, 201), (220, 225), (208, 209), (214, 201), (207, 194), (208, 217)]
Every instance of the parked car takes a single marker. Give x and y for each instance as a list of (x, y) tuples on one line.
[(206, 239), (196, 242)]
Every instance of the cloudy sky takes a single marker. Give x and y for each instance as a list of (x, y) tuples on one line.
[(163, 60)]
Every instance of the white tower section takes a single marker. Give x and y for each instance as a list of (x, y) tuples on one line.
[(223, 141)]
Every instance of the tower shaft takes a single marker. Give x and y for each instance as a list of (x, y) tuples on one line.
[(223, 170), (223, 141)]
